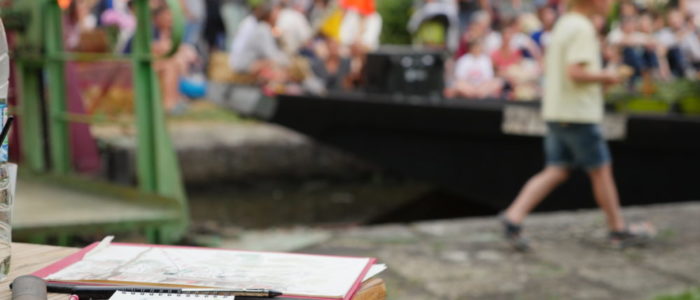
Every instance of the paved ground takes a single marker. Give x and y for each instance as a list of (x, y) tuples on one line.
[(467, 259), (40, 205)]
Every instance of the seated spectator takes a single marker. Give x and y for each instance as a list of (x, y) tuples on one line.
[(479, 28), (170, 70), (653, 47), (483, 29), (692, 9), (121, 17), (690, 44), (82, 34), (612, 55), (474, 77), (521, 74), (255, 53), (466, 9), (507, 55), (521, 40), (548, 17), (361, 26), (637, 48), (329, 65), (677, 40), (628, 9), (292, 27)]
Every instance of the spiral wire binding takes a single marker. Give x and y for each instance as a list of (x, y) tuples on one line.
[(171, 293)]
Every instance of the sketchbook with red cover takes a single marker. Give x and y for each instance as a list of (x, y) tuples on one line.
[(298, 276)]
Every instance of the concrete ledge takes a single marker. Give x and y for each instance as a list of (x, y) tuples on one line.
[(243, 151)]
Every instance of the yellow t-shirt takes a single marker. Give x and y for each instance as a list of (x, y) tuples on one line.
[(573, 41)]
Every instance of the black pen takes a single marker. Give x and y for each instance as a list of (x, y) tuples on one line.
[(105, 292)]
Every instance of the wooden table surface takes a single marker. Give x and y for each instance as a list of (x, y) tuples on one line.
[(27, 259)]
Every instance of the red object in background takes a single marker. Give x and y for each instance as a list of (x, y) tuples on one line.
[(85, 154), (15, 143), (84, 151), (502, 60), (365, 7)]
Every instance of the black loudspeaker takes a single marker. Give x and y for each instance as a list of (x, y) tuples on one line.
[(405, 72)]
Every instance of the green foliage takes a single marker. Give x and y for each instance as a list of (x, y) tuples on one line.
[(693, 294), (395, 15), (684, 93), (677, 90)]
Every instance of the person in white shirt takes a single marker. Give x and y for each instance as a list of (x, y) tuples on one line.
[(255, 47), (474, 77), (682, 43), (293, 27), (573, 108)]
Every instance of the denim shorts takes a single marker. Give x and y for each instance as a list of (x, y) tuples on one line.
[(574, 145)]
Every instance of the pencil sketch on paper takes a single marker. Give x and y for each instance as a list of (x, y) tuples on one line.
[(292, 274)]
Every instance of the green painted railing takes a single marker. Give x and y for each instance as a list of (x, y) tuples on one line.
[(39, 51)]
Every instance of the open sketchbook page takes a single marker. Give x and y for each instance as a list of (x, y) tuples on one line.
[(133, 296), (292, 274)]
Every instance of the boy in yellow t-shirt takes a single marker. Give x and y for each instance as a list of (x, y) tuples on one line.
[(573, 108)]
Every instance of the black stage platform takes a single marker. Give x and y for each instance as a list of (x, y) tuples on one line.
[(459, 145)]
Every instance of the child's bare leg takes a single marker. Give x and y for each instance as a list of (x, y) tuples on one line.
[(606, 196), (538, 187), (168, 76)]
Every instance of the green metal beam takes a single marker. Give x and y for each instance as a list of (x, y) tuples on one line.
[(145, 86), (33, 153), (58, 128), (158, 168)]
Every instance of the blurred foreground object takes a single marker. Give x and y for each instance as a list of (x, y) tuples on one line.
[(29, 288)]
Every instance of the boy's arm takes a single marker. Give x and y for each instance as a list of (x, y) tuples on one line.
[(579, 74)]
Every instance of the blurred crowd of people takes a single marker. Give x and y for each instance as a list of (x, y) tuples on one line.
[(294, 46), (500, 55), (303, 45), (281, 45)]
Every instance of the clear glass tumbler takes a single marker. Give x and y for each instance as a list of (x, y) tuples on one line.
[(7, 174)]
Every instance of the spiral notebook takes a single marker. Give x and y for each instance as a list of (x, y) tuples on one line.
[(145, 296)]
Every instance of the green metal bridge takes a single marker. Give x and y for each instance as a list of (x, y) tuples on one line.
[(54, 203)]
